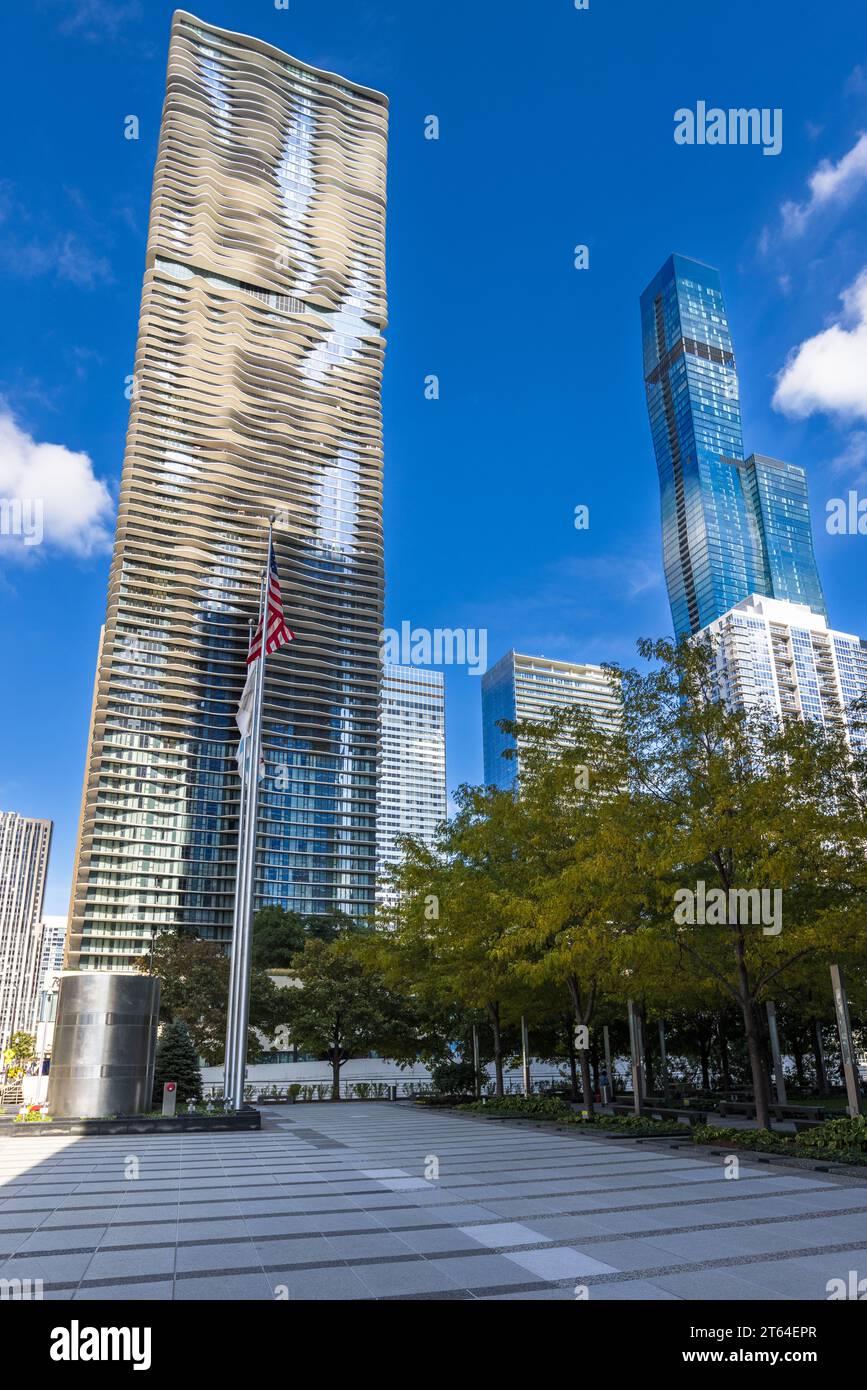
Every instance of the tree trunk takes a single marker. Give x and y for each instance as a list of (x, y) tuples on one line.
[(754, 1038), (819, 1059), (725, 1068), (335, 1073), (494, 1016), (594, 1057), (758, 1064), (648, 1063), (704, 1053), (573, 1060), (582, 1016), (799, 1062)]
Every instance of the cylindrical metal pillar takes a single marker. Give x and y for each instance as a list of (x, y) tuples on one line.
[(102, 1060)]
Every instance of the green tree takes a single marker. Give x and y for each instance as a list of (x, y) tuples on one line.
[(21, 1050), (343, 1008), (449, 919), (194, 977), (278, 934), (570, 906), (176, 1060), (733, 804)]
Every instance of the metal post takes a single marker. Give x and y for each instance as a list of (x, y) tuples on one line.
[(229, 1068), (636, 1057), (239, 989), (525, 1047), (847, 1051), (819, 1052), (477, 1073), (775, 1053), (663, 1057), (606, 1042)]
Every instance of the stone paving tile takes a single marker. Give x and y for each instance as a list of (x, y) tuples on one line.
[(133, 1293), (121, 1264), (135, 1233), (52, 1241), (498, 1233), (417, 1277), (314, 1284), (561, 1262), (366, 1246), (298, 1250), (240, 1255), (723, 1285), (229, 1287)]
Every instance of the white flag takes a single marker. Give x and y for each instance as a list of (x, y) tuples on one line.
[(244, 716)]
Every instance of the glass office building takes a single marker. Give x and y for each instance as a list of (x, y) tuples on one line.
[(730, 527), (412, 774), (532, 687), (777, 495), (257, 392)]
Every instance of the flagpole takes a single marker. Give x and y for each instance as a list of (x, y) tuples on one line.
[(231, 1090), (241, 951)]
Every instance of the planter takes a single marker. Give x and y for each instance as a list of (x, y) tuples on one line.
[(247, 1119)]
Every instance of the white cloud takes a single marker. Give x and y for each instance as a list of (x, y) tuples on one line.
[(851, 462), (52, 494), (97, 19), (829, 183), (828, 373)]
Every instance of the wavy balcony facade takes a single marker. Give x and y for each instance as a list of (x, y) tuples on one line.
[(257, 391)]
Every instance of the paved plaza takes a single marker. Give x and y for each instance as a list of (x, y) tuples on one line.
[(342, 1202)]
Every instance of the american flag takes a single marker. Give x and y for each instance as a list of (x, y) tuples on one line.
[(277, 634)]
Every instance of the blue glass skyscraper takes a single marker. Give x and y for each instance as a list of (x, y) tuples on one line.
[(730, 527), (777, 495)]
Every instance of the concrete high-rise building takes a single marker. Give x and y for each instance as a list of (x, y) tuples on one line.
[(531, 687), (256, 391), (784, 658), (53, 942), (731, 526), (412, 782), (24, 849)]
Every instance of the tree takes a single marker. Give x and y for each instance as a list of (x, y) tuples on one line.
[(195, 988), (570, 906), (726, 806), (21, 1050), (344, 1008), (176, 1060), (449, 921), (278, 934)]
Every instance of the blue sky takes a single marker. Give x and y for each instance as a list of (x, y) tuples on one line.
[(556, 129)]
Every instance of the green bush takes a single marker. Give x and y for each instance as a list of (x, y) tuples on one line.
[(632, 1124), (454, 1079), (762, 1139), (528, 1107), (846, 1134)]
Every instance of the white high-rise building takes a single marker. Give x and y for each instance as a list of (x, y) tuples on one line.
[(412, 779), (24, 846), (784, 657), (532, 687)]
